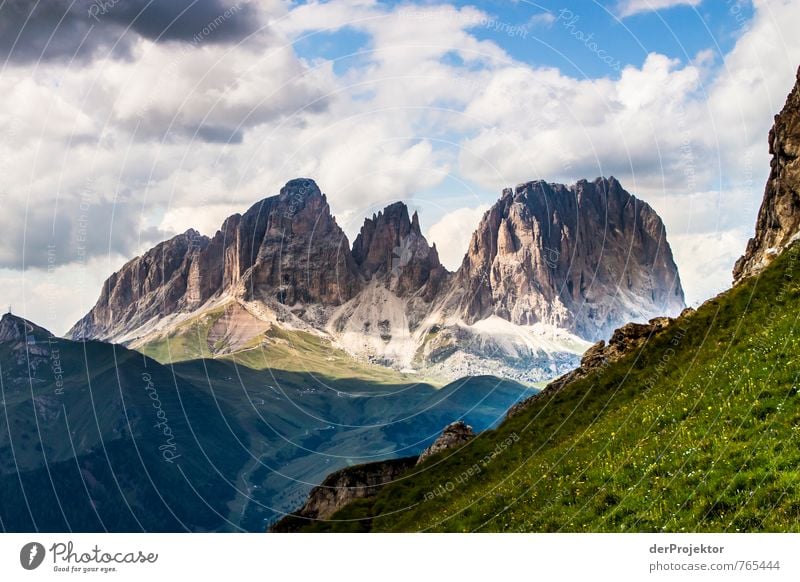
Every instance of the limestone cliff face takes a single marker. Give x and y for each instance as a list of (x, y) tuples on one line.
[(778, 221), (584, 258), (148, 286), (287, 248), (391, 246), (291, 249)]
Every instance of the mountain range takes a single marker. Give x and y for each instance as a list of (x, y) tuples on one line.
[(682, 424), (549, 270)]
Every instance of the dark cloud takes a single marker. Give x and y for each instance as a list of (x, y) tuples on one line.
[(214, 134), (79, 230), (47, 30)]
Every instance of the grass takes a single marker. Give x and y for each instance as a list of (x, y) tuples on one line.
[(697, 431), (278, 349)]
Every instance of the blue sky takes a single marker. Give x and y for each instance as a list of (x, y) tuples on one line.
[(440, 104), (680, 32)]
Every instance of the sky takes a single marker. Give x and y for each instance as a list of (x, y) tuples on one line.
[(125, 122)]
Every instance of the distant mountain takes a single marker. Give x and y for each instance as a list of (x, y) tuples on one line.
[(685, 424), (549, 269), (96, 437), (584, 258)]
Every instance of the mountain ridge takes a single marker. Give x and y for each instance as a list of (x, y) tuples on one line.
[(511, 308)]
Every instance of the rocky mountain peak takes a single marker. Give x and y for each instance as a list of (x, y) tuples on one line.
[(391, 245), (286, 249), (584, 258), (778, 222)]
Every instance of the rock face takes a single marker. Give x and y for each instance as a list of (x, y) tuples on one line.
[(149, 286), (548, 268), (391, 247), (584, 258), (778, 222), (455, 435), (287, 249), (340, 488)]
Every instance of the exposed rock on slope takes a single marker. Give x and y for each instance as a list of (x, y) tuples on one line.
[(625, 340), (778, 221), (456, 434), (584, 258), (147, 287), (340, 488), (17, 329)]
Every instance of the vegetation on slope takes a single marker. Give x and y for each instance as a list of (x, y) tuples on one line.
[(698, 430), (276, 348)]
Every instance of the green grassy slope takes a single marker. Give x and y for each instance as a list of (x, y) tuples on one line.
[(697, 431), (277, 349)]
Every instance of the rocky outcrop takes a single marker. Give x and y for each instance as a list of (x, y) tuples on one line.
[(548, 268), (583, 258), (455, 435), (154, 284), (624, 341), (340, 488), (778, 222)]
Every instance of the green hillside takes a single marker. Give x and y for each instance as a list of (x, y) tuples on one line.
[(696, 431), (201, 445), (275, 348)]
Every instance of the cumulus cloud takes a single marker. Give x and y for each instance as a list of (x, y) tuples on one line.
[(452, 234), (630, 7), (705, 261), (176, 131)]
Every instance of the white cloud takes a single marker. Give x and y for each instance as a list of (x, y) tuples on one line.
[(452, 234), (630, 7), (705, 261), (427, 99)]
